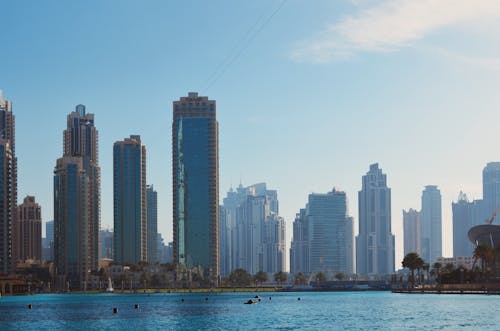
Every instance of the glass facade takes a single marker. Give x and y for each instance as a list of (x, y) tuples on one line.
[(195, 179)]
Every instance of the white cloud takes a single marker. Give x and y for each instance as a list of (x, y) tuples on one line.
[(391, 24)]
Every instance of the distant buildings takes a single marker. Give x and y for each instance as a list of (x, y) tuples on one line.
[(252, 232), (30, 229), (48, 242), (106, 237), (431, 224), (375, 242), (152, 224), (463, 221), (77, 202), (412, 227), (195, 172), (165, 251), (9, 238), (323, 236), (129, 197)]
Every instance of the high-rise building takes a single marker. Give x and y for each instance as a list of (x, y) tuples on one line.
[(48, 242), (299, 248), (106, 237), (491, 188), (9, 239), (330, 233), (412, 231), (152, 224), (375, 241), (129, 197), (30, 230), (195, 172), (77, 201), (463, 221), (431, 224)]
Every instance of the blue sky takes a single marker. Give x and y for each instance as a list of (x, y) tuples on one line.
[(311, 95)]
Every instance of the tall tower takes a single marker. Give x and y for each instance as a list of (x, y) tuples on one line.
[(195, 176), (463, 221), (375, 241), (330, 233), (9, 227), (412, 231), (431, 224), (30, 229), (77, 201), (129, 197), (152, 213)]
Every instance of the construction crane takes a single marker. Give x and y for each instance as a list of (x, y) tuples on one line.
[(492, 218)]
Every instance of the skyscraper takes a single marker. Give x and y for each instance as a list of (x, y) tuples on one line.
[(330, 233), (412, 231), (77, 201), (152, 224), (431, 224), (9, 239), (491, 189), (129, 197), (48, 242), (195, 172), (463, 221), (299, 248), (375, 241), (30, 230)]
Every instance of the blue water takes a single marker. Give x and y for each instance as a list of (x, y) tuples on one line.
[(315, 311)]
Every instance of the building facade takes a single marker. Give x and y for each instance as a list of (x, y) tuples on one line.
[(375, 241), (77, 202), (195, 173), (30, 230), (431, 224), (129, 198), (463, 221), (323, 239), (107, 238), (9, 227), (412, 228), (152, 224)]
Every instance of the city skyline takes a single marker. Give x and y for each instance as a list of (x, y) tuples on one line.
[(431, 114)]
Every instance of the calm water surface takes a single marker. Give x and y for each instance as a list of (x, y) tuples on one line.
[(315, 311)]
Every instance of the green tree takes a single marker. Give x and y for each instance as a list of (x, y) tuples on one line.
[(320, 277), (436, 271), (280, 277), (300, 279), (339, 276), (485, 253), (260, 277), (413, 262), (239, 277)]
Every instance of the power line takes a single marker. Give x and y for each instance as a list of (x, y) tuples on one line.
[(241, 46)]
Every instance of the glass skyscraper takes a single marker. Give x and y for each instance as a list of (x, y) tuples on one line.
[(195, 172), (431, 224), (77, 202), (152, 224), (129, 197), (375, 241)]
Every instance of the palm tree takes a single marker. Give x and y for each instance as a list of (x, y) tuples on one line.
[(436, 271), (412, 261), (280, 277), (484, 252), (260, 277), (300, 278)]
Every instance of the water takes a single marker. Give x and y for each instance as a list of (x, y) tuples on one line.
[(315, 311)]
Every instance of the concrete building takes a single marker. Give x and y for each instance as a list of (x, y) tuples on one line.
[(431, 224), (375, 241), (463, 221), (30, 229), (77, 202), (48, 242), (412, 228), (152, 224), (129, 197), (195, 176), (9, 239)]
